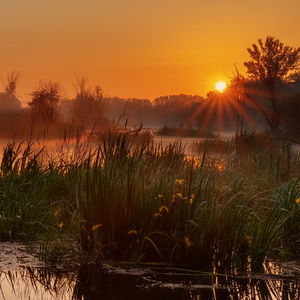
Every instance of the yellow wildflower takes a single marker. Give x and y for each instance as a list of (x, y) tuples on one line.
[(60, 225), (163, 209), (56, 213), (179, 195), (187, 242), (179, 181), (157, 215), (298, 201), (192, 198), (132, 232), (95, 227)]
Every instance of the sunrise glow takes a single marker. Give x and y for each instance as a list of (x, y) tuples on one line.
[(118, 45)]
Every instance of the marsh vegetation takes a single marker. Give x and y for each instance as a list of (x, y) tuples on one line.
[(143, 203)]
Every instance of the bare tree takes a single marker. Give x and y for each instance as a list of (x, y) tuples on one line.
[(128, 105), (88, 105), (10, 84)]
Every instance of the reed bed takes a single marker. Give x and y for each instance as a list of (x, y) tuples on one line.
[(144, 203)]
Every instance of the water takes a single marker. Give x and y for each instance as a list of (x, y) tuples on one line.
[(119, 282), (23, 276), (54, 146)]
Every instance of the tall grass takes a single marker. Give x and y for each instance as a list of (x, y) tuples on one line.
[(145, 203), (150, 204), (33, 193)]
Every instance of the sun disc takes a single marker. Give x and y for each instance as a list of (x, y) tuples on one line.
[(220, 86)]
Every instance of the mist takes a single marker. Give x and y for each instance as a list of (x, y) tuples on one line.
[(50, 114)]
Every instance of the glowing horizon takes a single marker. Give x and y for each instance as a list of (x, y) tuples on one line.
[(134, 48)]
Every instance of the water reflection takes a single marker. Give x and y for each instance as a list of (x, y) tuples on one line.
[(36, 283), (113, 282)]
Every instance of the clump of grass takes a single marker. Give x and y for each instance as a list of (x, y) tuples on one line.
[(117, 194), (30, 191)]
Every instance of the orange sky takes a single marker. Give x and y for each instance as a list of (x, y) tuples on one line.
[(137, 48)]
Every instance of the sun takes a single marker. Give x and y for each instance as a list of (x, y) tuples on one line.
[(220, 86)]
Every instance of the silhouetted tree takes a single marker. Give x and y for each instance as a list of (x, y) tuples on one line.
[(11, 113), (273, 65), (177, 110), (10, 84), (8, 100), (88, 106), (43, 105)]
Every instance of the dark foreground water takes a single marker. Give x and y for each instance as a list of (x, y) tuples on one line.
[(120, 282), (24, 276)]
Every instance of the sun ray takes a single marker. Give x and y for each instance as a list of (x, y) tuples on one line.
[(229, 110)]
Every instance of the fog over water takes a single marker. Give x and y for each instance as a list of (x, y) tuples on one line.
[(52, 146)]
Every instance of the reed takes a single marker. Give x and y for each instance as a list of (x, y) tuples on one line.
[(144, 203), (30, 193), (152, 204)]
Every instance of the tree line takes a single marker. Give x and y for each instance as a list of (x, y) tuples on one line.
[(267, 96)]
